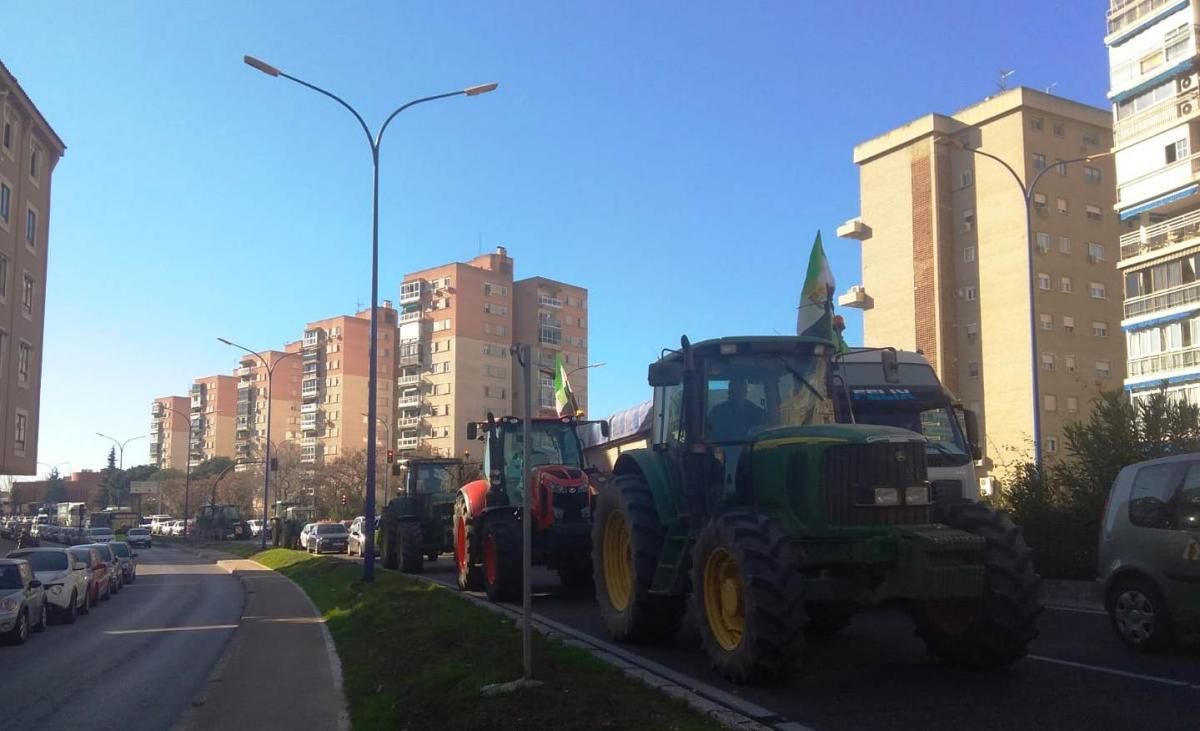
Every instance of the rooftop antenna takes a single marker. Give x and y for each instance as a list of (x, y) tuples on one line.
[(1002, 79)]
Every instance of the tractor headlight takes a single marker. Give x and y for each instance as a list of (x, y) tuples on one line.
[(887, 496), (916, 495)]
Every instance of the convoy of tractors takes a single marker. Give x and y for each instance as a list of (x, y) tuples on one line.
[(775, 484)]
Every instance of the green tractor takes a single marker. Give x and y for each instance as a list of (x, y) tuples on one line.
[(417, 524), (780, 522), (221, 523), (289, 519)]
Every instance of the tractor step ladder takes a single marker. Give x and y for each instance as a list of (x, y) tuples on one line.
[(673, 559)]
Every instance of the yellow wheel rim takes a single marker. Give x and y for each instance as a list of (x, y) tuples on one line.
[(724, 601), (618, 561)]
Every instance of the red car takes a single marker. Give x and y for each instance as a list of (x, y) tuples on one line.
[(98, 574)]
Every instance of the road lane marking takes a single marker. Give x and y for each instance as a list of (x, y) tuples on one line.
[(1080, 610), (1115, 671), (150, 630)]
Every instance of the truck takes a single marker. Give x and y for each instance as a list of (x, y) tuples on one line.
[(890, 387), (776, 521), (118, 520)]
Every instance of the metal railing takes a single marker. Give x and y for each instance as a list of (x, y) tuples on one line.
[(411, 380), (548, 301), (1172, 231), (407, 401), (1159, 116), (410, 316), (308, 408), (407, 442), (1124, 13), (1183, 294), (1164, 362)]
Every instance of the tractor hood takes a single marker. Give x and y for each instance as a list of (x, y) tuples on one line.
[(833, 434)]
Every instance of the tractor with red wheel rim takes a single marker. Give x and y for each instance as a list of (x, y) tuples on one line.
[(487, 512)]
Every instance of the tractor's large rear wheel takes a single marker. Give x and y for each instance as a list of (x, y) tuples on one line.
[(466, 548), (388, 540), (748, 597), (626, 540), (409, 536), (502, 557), (995, 629)]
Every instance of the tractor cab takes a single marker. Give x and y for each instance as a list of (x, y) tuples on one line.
[(431, 476)]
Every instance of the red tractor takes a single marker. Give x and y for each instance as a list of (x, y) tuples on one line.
[(488, 515)]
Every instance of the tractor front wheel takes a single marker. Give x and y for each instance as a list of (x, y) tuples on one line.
[(627, 537), (995, 629), (748, 597), (409, 536), (388, 545), (502, 557), (466, 548)]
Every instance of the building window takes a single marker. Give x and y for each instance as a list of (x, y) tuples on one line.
[(1069, 363), (1099, 328), (439, 325), (1039, 161), (1050, 402), (24, 351), (7, 137), (1043, 242), (495, 309), (1091, 137), (1064, 284), (972, 332), (968, 254), (1039, 203), (968, 220), (35, 161), (5, 203), (1051, 444), (1047, 361), (1060, 129), (3, 351), (1047, 321), (970, 293), (1064, 244), (1093, 213), (1043, 281), (1176, 151), (973, 369), (1097, 291), (1095, 253), (27, 296), (966, 179), (31, 228), (495, 392), (19, 434), (1102, 368), (1037, 123), (496, 371), (1063, 208), (3, 278), (1072, 405), (1091, 174), (1060, 167)]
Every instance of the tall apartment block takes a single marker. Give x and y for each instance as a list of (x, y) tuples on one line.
[(213, 404), (334, 365), (252, 391), (29, 152), (458, 323), (1155, 94), (945, 261), (169, 427)]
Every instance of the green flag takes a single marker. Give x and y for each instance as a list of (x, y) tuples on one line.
[(814, 316), (564, 399)]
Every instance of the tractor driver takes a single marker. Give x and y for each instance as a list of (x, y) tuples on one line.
[(733, 418)]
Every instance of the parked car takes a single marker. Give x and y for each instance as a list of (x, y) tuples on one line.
[(139, 537), (354, 543), (256, 526), (63, 576), (1150, 552), (99, 582), (99, 535), (126, 560), (328, 538), (22, 601), (305, 532), (116, 576)]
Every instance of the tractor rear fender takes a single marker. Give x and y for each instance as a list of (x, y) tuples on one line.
[(475, 494), (655, 468)]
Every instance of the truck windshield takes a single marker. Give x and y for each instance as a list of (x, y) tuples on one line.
[(746, 394), (907, 409), (433, 478)]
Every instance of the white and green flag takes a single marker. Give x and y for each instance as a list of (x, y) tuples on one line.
[(564, 399), (814, 317)]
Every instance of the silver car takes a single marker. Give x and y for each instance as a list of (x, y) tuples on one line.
[(126, 561), (63, 576), (1150, 552), (22, 601)]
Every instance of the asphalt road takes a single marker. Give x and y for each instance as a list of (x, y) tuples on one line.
[(876, 675), (135, 662)]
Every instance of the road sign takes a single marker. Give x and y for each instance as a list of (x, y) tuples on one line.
[(147, 487)]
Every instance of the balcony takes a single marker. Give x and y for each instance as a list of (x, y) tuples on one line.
[(413, 316), (409, 380), (545, 300), (407, 442), (155, 437), (1185, 294), (405, 402), (308, 408), (1157, 118), (243, 372), (1125, 14), (411, 357), (1180, 231), (408, 422), (1161, 180), (1174, 360), (1176, 46), (411, 292), (549, 335), (313, 338)]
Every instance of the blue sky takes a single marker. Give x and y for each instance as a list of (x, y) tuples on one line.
[(675, 158)]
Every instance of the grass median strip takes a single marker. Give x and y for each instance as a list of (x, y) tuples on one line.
[(416, 656)]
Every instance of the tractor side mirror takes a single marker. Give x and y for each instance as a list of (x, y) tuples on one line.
[(665, 373), (472, 431), (891, 365), (972, 422), (605, 431)]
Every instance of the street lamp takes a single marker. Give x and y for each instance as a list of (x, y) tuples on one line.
[(390, 445), (121, 445), (568, 376), (374, 142), (1027, 191), (187, 471), (270, 367)]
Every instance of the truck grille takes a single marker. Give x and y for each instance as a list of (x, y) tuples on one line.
[(853, 471)]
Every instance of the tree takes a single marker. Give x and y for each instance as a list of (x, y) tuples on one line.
[(56, 487), (211, 467), (104, 493)]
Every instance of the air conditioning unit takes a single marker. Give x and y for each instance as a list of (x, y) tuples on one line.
[(1186, 83), (1186, 109)]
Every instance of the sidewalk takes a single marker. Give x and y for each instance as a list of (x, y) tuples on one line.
[(280, 667)]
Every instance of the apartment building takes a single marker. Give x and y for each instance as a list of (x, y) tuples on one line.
[(458, 323), (169, 420), (213, 404), (945, 263), (252, 393), (1155, 93), (29, 152), (334, 370)]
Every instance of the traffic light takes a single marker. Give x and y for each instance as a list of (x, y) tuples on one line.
[(343, 499), (390, 455)]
